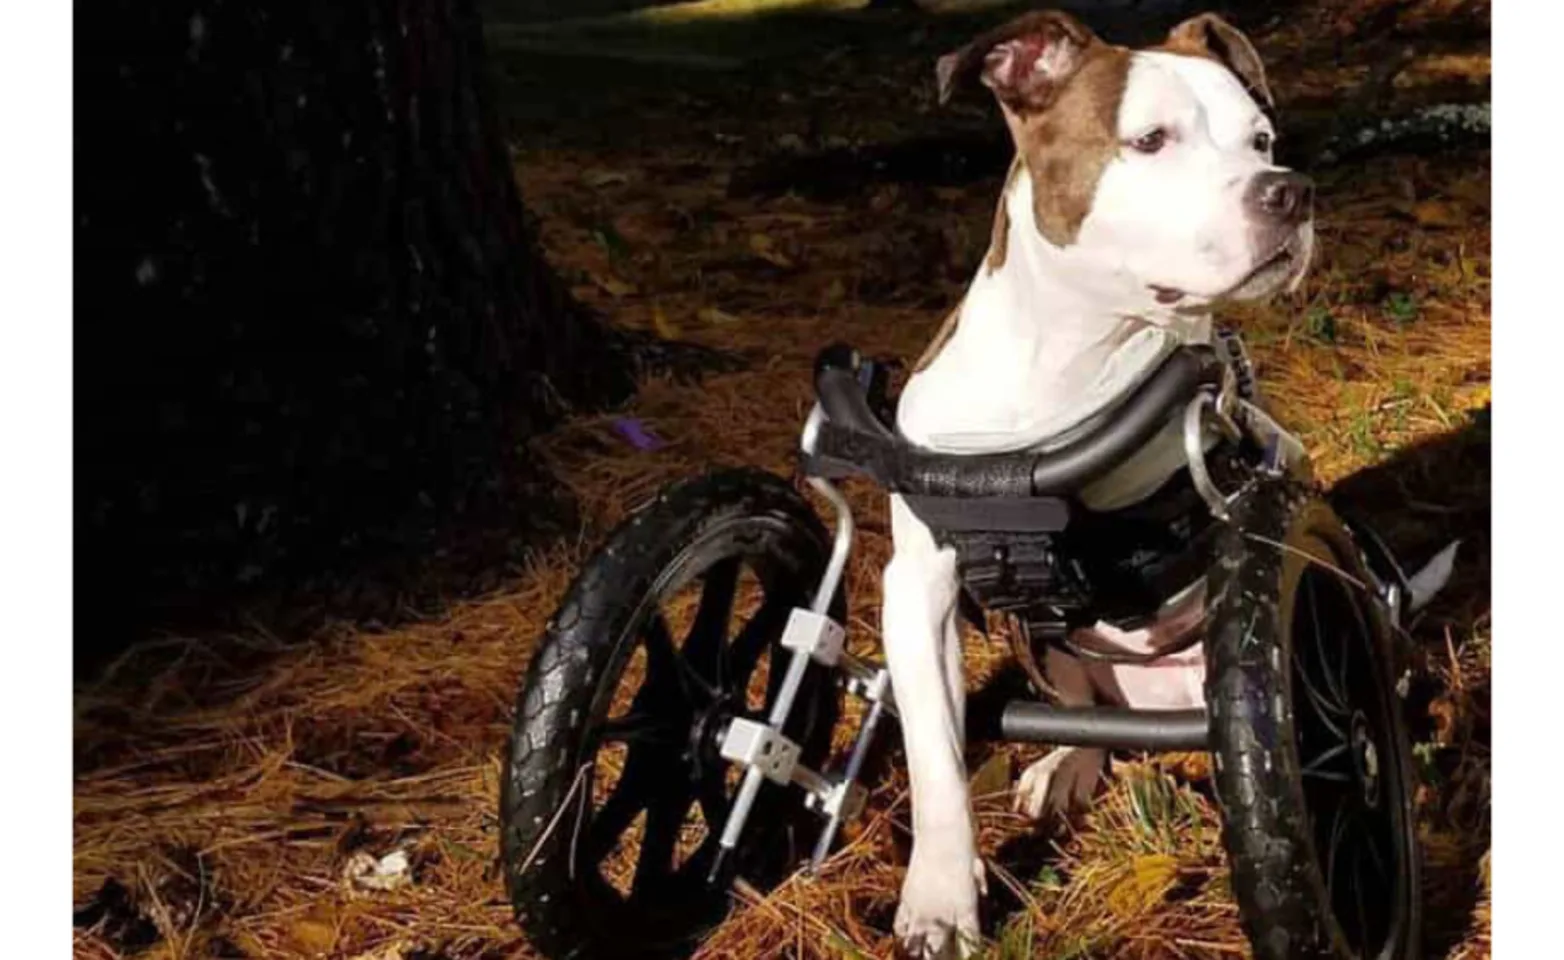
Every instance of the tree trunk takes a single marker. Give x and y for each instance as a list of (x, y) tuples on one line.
[(313, 326)]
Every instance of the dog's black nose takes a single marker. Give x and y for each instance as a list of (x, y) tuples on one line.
[(1282, 195)]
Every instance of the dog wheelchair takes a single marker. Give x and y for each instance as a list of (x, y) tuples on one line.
[(721, 733)]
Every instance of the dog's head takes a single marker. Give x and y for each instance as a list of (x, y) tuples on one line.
[(1151, 171)]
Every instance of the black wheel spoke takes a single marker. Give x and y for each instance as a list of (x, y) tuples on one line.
[(662, 658), (628, 798), (1337, 831), (664, 818), (1357, 883), (713, 800), (1335, 694), (705, 644), (641, 726), (1318, 764), (1342, 682), (1331, 776), (1324, 709), (1382, 869), (762, 629), (669, 673)]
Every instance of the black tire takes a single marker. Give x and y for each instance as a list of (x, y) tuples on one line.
[(1278, 693), (554, 827)]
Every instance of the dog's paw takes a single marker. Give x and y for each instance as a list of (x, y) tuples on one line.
[(1061, 782), (938, 915)]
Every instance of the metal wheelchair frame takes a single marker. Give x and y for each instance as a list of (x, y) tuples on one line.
[(1010, 518)]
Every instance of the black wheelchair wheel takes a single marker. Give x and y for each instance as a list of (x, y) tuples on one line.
[(1312, 758), (614, 791)]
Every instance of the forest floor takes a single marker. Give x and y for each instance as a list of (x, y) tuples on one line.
[(225, 786)]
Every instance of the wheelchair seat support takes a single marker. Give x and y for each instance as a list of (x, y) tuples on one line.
[(1031, 721)]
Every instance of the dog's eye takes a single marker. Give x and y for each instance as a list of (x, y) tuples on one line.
[(1263, 141), (1151, 141)]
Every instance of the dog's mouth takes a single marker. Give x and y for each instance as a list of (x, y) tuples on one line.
[(1283, 267)]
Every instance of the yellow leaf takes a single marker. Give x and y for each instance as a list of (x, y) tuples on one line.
[(666, 328), (766, 249), (613, 285), (603, 178), (1436, 213), (313, 936), (713, 315)]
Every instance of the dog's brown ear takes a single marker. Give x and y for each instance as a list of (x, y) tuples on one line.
[(1024, 62), (1208, 35)]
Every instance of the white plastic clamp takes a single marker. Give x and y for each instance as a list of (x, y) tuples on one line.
[(814, 634), (757, 745)]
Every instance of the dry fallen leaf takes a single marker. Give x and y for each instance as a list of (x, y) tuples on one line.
[(365, 871), (665, 327), (1444, 712), (713, 315), (1189, 766), (602, 178), (612, 285), (1437, 213), (766, 249), (313, 937)]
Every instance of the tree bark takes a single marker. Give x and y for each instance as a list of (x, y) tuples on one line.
[(313, 325)]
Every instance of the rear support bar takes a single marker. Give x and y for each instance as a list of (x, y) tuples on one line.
[(1112, 728)]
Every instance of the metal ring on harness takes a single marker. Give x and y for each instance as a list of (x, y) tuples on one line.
[(1195, 419)]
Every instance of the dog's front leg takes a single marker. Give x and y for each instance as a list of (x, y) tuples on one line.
[(938, 912)]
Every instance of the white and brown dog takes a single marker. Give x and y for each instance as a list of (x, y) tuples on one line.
[(1143, 192)]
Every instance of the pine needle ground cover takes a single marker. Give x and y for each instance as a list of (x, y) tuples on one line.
[(230, 789)]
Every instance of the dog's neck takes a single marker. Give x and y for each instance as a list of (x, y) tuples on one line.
[(1043, 295), (1032, 333)]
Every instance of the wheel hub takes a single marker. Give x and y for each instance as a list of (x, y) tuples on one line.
[(1365, 759), (708, 727)]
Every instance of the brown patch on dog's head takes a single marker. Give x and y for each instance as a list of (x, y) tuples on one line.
[(1213, 38), (1059, 88)]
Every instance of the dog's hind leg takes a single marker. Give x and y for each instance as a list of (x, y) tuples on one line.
[(1065, 779), (938, 911)]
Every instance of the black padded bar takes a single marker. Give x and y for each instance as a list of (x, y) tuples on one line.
[(852, 440), (1111, 728), (842, 395)]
